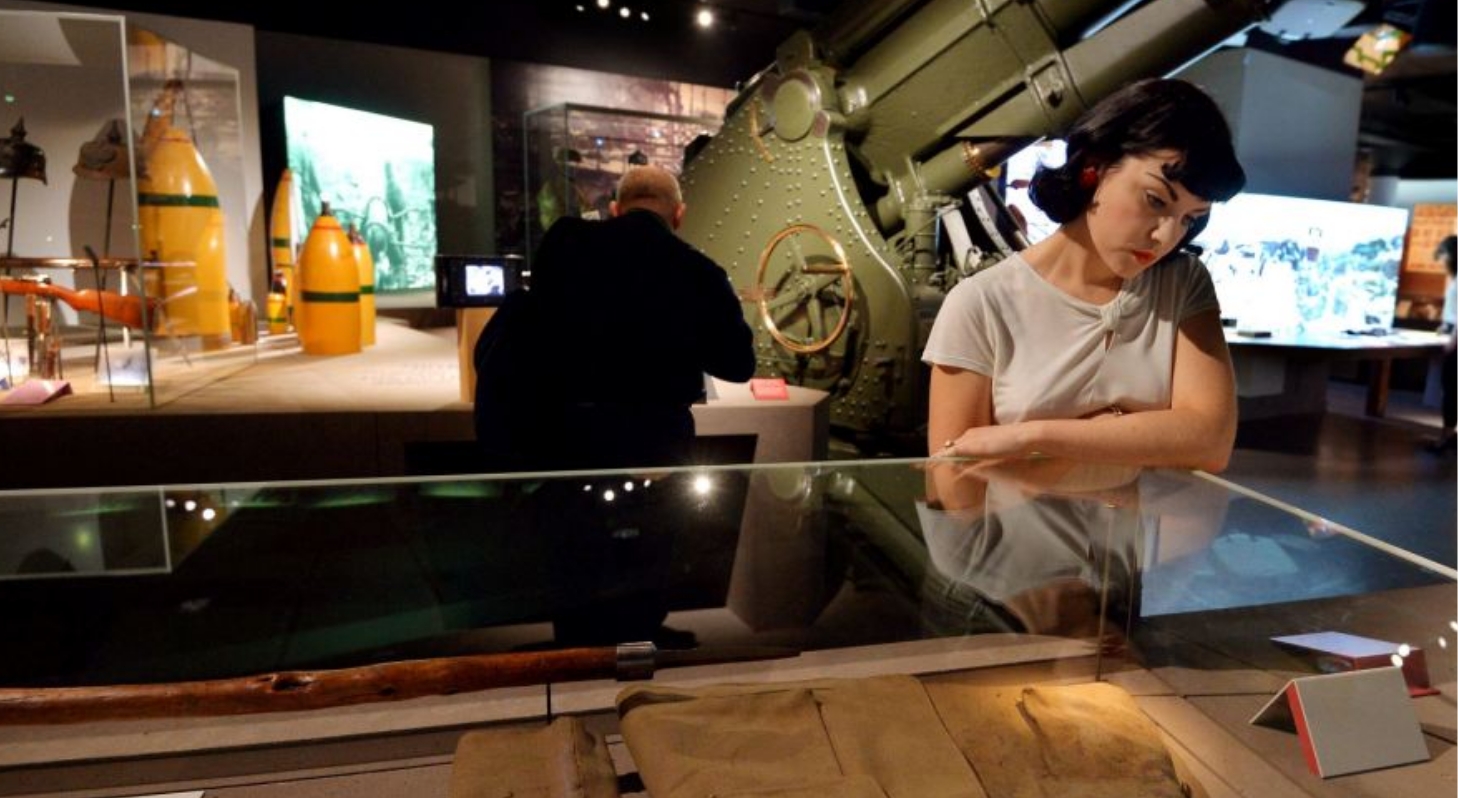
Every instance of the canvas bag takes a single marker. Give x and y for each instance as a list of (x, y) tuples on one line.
[(897, 737)]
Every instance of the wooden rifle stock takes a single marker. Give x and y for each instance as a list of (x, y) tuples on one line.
[(123, 309), (293, 691), (289, 691)]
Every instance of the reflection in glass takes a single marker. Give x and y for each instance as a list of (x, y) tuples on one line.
[(218, 580), (65, 535)]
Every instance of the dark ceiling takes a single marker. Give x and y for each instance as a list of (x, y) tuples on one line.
[(1409, 120)]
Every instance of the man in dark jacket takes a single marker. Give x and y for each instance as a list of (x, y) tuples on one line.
[(624, 319), (596, 367)]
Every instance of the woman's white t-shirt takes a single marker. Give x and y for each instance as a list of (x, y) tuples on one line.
[(1051, 355)]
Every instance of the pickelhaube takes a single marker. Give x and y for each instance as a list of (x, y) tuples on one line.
[(105, 157), (19, 158)]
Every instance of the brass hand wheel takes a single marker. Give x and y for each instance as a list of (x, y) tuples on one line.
[(801, 290)]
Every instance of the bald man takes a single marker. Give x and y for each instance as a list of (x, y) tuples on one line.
[(622, 321), (626, 319)]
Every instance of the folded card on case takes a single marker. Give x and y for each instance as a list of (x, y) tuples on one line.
[(1335, 652), (38, 392), (1348, 722)]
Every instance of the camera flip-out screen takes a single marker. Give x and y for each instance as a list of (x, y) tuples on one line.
[(475, 281)]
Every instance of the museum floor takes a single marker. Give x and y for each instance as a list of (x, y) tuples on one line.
[(1373, 475)]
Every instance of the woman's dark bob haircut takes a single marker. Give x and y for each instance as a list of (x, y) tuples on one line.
[(1141, 119)]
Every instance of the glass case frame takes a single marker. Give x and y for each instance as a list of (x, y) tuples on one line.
[(106, 318)]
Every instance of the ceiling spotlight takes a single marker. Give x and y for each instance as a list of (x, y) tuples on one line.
[(604, 3), (625, 12), (581, 8), (645, 16), (704, 19)]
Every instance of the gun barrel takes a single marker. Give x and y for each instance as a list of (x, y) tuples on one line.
[(843, 36), (1154, 40), (951, 62), (1157, 39)]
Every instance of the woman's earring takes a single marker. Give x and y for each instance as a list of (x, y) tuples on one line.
[(1088, 178)]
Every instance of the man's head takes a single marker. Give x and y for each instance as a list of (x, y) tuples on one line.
[(651, 188), (1447, 254)]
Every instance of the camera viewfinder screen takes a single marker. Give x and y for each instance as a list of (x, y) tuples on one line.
[(485, 279)]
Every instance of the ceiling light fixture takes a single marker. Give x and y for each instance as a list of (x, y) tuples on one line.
[(604, 4), (645, 16), (625, 12), (704, 19)]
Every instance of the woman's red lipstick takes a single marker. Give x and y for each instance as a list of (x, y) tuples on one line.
[(1144, 256)]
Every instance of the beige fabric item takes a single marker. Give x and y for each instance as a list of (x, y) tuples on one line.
[(842, 787), (560, 760), (1089, 740), (895, 737), (834, 737)]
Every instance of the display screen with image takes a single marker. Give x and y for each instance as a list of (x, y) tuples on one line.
[(375, 171), (1291, 265), (1018, 171), (485, 279)]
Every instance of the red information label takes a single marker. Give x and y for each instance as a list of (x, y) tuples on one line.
[(769, 388)]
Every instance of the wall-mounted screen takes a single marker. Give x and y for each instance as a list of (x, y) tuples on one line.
[(1285, 264), (375, 171)]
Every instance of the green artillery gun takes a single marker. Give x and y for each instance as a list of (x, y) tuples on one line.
[(829, 191)]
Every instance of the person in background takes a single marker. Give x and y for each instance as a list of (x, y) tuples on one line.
[(1447, 254), (624, 319), (596, 367), (1103, 341)]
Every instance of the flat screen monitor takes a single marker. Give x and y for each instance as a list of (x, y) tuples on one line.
[(1293, 265), (375, 171)]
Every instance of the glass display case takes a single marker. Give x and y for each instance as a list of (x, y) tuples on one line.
[(1092, 573), (125, 235), (575, 154), (350, 572)]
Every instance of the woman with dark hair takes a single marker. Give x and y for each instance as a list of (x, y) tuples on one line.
[(1103, 341)]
